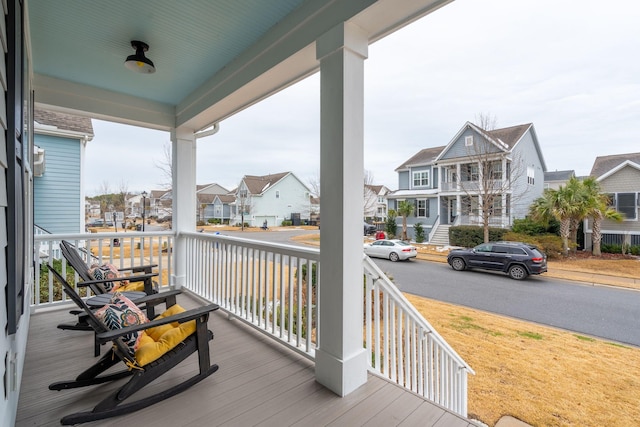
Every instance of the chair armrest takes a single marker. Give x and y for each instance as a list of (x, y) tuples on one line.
[(137, 278), (186, 316), (139, 268), (158, 298)]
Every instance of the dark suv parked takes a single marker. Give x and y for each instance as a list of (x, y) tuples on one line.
[(369, 229), (516, 259)]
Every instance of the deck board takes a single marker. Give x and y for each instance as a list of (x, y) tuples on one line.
[(259, 383)]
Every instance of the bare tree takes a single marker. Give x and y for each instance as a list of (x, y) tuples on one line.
[(243, 203), (314, 184), (488, 178), (370, 195), (165, 166)]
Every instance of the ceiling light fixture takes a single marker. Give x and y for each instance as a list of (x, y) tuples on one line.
[(139, 62)]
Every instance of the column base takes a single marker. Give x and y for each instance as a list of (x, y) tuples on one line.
[(341, 376)]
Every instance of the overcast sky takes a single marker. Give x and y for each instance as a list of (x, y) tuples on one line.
[(570, 67)]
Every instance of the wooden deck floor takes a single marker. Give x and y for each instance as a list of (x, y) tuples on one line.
[(259, 383)]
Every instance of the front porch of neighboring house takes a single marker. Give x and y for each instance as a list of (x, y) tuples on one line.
[(266, 340)]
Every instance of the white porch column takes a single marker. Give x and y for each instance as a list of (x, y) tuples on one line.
[(183, 163), (341, 361)]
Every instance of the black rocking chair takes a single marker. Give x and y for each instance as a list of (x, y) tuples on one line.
[(117, 403)]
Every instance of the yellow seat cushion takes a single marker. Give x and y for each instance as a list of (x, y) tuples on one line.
[(155, 342), (132, 287)]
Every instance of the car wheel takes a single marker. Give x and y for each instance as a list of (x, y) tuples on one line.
[(458, 264), (394, 256), (517, 272)]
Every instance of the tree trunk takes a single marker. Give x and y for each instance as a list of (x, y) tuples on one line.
[(404, 229), (596, 237), (565, 226)]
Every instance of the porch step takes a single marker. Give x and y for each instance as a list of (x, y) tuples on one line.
[(441, 236)]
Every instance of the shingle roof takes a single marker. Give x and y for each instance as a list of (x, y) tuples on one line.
[(423, 157), (559, 175), (604, 164), (226, 198), (509, 135), (64, 121), (257, 184), (205, 198)]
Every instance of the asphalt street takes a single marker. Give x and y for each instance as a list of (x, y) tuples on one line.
[(600, 311)]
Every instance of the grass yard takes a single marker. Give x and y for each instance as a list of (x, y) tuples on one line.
[(541, 375)]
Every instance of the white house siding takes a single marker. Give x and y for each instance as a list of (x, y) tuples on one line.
[(294, 198), (525, 154), (57, 192)]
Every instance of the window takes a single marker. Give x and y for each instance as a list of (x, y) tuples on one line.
[(421, 179), (495, 170), (531, 174), (626, 205), (470, 172), (496, 206), (422, 208), (277, 194), (468, 141)]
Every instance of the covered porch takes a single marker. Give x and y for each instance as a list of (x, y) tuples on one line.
[(311, 310), (259, 383)]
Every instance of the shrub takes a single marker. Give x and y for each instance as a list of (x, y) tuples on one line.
[(287, 223), (550, 244), (200, 223), (469, 236), (534, 228), (419, 232), (214, 221), (390, 225)]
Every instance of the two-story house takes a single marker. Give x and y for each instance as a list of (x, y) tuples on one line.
[(206, 195), (271, 199), (58, 188), (375, 202), (618, 176), (479, 176)]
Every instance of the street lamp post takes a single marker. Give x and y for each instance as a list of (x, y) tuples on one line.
[(144, 206)]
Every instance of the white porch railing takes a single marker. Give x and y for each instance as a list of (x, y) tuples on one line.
[(265, 284), (133, 248), (406, 349)]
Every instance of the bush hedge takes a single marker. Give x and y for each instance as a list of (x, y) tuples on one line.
[(550, 244), (469, 236)]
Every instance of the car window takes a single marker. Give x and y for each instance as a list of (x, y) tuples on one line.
[(401, 243), (377, 243), (483, 248), (388, 243), (536, 252), (516, 251), (498, 249)]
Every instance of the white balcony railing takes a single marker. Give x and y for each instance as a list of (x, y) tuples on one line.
[(406, 349), (265, 284), (272, 287), (132, 248)]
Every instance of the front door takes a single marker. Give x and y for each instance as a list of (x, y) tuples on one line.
[(452, 211)]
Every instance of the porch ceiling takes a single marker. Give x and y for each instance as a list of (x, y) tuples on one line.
[(213, 57)]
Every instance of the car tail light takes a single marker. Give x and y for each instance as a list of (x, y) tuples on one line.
[(537, 259), (407, 250)]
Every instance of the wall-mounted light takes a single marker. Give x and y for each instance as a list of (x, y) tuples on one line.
[(139, 62)]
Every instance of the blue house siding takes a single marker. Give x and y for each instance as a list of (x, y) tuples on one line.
[(403, 180), (459, 149), (57, 193)]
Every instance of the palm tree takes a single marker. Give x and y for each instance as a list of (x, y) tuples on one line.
[(405, 209), (556, 204), (598, 210)]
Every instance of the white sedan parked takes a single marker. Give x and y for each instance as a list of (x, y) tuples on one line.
[(390, 249)]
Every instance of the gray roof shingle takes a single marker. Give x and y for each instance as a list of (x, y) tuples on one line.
[(604, 164), (64, 121)]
